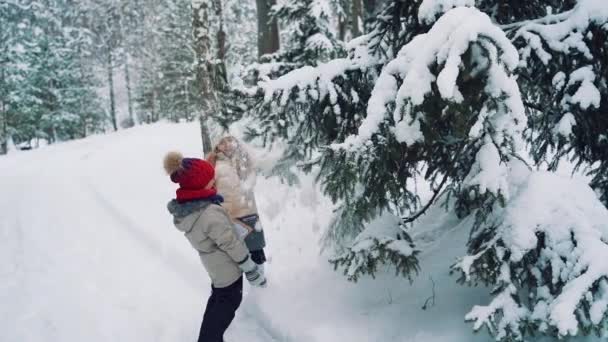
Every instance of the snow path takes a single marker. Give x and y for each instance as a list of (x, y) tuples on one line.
[(88, 252)]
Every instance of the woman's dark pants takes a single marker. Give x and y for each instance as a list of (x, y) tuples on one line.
[(220, 311)]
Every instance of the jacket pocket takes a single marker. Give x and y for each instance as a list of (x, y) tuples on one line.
[(222, 270)]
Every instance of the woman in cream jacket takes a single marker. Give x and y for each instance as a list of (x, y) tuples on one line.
[(235, 180)]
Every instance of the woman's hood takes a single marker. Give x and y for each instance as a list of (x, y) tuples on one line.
[(186, 214)]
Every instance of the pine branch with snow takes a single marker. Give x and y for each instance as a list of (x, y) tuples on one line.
[(437, 91), (564, 76), (381, 243), (365, 257), (543, 253)]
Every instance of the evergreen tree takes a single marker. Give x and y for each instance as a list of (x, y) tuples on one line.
[(268, 30), (66, 81), (441, 92), (566, 77), (16, 62), (50, 92), (166, 88), (105, 24), (60, 57), (241, 29)]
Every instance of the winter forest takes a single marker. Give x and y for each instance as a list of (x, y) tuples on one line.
[(428, 170)]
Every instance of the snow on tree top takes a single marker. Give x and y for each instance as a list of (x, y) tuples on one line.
[(563, 32), (573, 224), (429, 10), (319, 41), (320, 78), (444, 44)]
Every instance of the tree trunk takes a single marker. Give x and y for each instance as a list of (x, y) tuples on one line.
[(341, 27), (355, 18), (3, 119), (128, 85), (111, 86), (203, 67), (154, 116), (205, 136), (221, 78), (370, 8), (268, 29), (4, 133), (85, 132)]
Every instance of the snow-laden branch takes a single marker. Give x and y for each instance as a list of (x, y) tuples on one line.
[(315, 82), (430, 10), (560, 228), (379, 244), (444, 45), (562, 32)]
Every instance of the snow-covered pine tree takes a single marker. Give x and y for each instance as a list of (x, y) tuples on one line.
[(431, 92), (148, 88), (565, 74), (104, 22), (166, 83), (323, 102), (541, 251), (51, 94), (309, 40), (16, 63), (131, 28), (166, 87), (450, 102), (80, 112), (241, 31)]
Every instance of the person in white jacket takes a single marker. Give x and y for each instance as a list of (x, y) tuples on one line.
[(235, 180), (198, 214)]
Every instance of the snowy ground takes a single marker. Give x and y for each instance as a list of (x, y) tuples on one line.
[(89, 254)]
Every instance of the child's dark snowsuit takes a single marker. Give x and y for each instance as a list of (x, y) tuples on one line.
[(220, 310)]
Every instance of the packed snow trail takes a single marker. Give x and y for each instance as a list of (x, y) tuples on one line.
[(77, 266), (88, 252)]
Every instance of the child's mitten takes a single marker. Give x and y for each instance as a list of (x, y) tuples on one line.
[(252, 273)]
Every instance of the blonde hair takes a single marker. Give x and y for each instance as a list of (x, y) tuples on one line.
[(242, 160)]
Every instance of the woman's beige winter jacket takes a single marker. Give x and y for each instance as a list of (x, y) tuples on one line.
[(239, 200), (210, 231)]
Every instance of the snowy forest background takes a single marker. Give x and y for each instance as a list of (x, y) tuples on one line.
[(396, 107)]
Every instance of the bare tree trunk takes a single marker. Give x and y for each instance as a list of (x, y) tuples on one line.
[(154, 116), (4, 134), (85, 131), (355, 18), (341, 27), (221, 78), (128, 84), (370, 8), (3, 99), (205, 136), (4, 118), (268, 29), (203, 67), (111, 86), (369, 13)]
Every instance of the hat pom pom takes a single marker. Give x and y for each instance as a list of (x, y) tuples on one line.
[(173, 162)]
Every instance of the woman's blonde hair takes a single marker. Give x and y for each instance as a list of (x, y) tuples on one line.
[(242, 159)]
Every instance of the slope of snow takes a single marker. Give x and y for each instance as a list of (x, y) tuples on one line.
[(89, 253)]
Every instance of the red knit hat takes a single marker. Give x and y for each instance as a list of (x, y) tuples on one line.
[(193, 175)]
